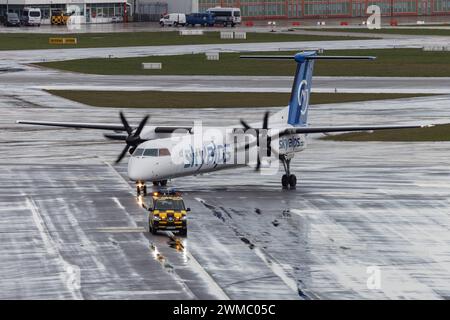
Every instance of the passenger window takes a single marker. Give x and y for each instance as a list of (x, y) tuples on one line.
[(151, 153), (164, 152), (138, 152)]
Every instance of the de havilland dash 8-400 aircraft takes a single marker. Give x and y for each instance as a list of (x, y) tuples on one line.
[(159, 153)]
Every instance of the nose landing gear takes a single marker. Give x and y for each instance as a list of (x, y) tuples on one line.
[(141, 188), (288, 179)]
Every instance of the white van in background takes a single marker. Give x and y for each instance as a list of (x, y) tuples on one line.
[(226, 16), (31, 17), (173, 19)]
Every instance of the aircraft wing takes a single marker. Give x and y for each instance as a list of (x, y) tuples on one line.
[(98, 126), (77, 125), (305, 130), (298, 130)]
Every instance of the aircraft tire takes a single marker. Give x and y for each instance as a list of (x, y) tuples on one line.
[(292, 181), (285, 181)]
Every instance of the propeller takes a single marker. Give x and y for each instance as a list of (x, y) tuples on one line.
[(132, 140), (265, 126)]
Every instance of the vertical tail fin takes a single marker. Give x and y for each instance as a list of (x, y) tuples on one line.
[(301, 88)]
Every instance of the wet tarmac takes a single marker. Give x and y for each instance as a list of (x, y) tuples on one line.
[(71, 227), (66, 211), (33, 56), (30, 77)]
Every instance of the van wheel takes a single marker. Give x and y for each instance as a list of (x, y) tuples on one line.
[(161, 24), (175, 24)]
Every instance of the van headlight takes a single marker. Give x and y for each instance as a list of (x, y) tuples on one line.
[(183, 218), (156, 218)]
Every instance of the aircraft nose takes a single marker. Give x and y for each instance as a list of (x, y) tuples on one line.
[(134, 172), (142, 169)]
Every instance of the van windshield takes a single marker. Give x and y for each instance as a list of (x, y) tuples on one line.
[(35, 14), (169, 204)]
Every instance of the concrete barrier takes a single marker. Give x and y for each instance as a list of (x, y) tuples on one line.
[(151, 65), (226, 35), (436, 48), (191, 32), (240, 35), (212, 56)]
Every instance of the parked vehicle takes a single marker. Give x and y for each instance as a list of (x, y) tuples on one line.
[(226, 16), (117, 19), (173, 19), (203, 19), (12, 20), (60, 18), (31, 17)]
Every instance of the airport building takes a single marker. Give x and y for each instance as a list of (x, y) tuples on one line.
[(91, 11), (102, 11), (287, 9)]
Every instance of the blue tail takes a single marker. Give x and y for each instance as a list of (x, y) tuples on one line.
[(301, 89)]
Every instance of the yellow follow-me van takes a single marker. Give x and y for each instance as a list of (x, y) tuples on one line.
[(166, 211)]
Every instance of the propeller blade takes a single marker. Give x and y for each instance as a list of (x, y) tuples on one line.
[(266, 120), (118, 137), (141, 126), (258, 164), (122, 154), (125, 123)]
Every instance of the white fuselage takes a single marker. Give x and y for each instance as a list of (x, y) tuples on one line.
[(210, 150)]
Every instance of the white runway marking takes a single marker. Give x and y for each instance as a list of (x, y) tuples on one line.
[(52, 250)]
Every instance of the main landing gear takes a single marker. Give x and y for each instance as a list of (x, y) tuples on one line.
[(161, 183), (288, 179)]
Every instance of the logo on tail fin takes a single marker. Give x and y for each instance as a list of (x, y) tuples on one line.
[(302, 97)]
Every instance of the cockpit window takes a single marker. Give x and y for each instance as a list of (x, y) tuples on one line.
[(164, 152), (150, 152), (138, 152)]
